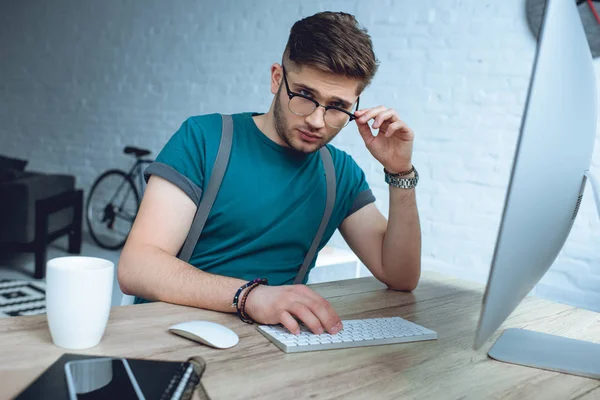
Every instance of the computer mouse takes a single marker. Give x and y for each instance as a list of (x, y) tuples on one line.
[(206, 332)]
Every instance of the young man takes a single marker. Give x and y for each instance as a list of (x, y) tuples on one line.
[(272, 197)]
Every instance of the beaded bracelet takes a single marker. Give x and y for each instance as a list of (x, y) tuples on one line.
[(410, 171), (235, 302), (241, 310), (244, 286)]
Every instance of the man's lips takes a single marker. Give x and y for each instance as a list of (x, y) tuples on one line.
[(310, 135)]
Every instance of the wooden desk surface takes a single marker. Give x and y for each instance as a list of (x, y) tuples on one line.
[(447, 368)]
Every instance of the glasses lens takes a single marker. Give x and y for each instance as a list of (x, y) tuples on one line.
[(301, 106), (336, 118)]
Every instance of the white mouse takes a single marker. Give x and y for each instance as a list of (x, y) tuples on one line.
[(206, 332)]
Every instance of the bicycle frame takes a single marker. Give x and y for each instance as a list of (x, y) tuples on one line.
[(136, 174), (137, 171)]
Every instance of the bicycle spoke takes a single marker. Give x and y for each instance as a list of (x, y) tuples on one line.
[(127, 193), (130, 217)]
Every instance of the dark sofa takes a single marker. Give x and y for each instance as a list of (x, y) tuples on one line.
[(35, 209)]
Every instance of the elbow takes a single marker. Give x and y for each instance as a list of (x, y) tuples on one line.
[(124, 275), (122, 279), (406, 282), (402, 286)]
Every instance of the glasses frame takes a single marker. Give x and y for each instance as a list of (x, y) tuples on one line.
[(291, 95)]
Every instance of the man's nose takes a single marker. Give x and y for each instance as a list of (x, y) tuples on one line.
[(317, 118)]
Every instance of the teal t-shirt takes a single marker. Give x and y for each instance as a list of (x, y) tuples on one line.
[(270, 203)]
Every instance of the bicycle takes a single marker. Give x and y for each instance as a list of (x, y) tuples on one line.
[(114, 201)]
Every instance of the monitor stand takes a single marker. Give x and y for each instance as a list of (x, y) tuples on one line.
[(550, 352)]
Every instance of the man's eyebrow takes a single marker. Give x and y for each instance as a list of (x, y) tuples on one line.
[(346, 103)]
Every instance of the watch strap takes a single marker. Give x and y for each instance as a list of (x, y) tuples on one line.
[(397, 180)]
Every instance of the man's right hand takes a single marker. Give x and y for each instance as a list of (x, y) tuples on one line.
[(273, 305)]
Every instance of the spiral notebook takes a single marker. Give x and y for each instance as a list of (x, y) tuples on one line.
[(156, 379)]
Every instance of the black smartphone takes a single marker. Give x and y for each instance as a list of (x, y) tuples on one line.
[(101, 378)]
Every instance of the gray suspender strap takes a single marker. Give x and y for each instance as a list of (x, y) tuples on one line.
[(208, 197), (331, 192)]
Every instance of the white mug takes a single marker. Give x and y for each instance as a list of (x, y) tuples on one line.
[(78, 297)]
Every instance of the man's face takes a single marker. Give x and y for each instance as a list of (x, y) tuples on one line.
[(308, 133)]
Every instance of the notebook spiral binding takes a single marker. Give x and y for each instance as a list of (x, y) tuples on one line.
[(186, 381)]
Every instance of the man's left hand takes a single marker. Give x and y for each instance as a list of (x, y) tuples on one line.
[(393, 144)]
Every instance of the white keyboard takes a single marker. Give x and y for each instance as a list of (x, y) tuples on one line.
[(356, 333)]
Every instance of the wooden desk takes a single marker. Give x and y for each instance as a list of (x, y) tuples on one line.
[(447, 368)]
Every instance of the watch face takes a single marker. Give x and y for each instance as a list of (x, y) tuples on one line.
[(535, 10)]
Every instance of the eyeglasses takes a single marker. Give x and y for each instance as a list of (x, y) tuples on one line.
[(299, 104)]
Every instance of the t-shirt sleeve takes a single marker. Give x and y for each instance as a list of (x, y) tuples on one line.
[(181, 161), (361, 193), (353, 187), (364, 197)]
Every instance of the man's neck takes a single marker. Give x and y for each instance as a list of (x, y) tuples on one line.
[(266, 124)]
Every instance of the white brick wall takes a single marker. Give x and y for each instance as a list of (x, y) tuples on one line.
[(79, 80)]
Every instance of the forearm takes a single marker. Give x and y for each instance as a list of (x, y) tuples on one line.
[(401, 253), (153, 274)]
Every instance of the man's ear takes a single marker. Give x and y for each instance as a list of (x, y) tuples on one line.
[(276, 77)]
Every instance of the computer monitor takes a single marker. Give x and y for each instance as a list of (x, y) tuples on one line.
[(546, 186)]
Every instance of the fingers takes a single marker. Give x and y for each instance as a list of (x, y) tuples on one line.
[(386, 120), (326, 314), (306, 315), (382, 117), (289, 322), (299, 302), (365, 115), (402, 129), (322, 309), (365, 131)]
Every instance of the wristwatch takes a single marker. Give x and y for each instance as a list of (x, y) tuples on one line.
[(398, 181)]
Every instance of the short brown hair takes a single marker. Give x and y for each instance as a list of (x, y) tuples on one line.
[(333, 42)]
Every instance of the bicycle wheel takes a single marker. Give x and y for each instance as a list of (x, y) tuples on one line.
[(111, 209)]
